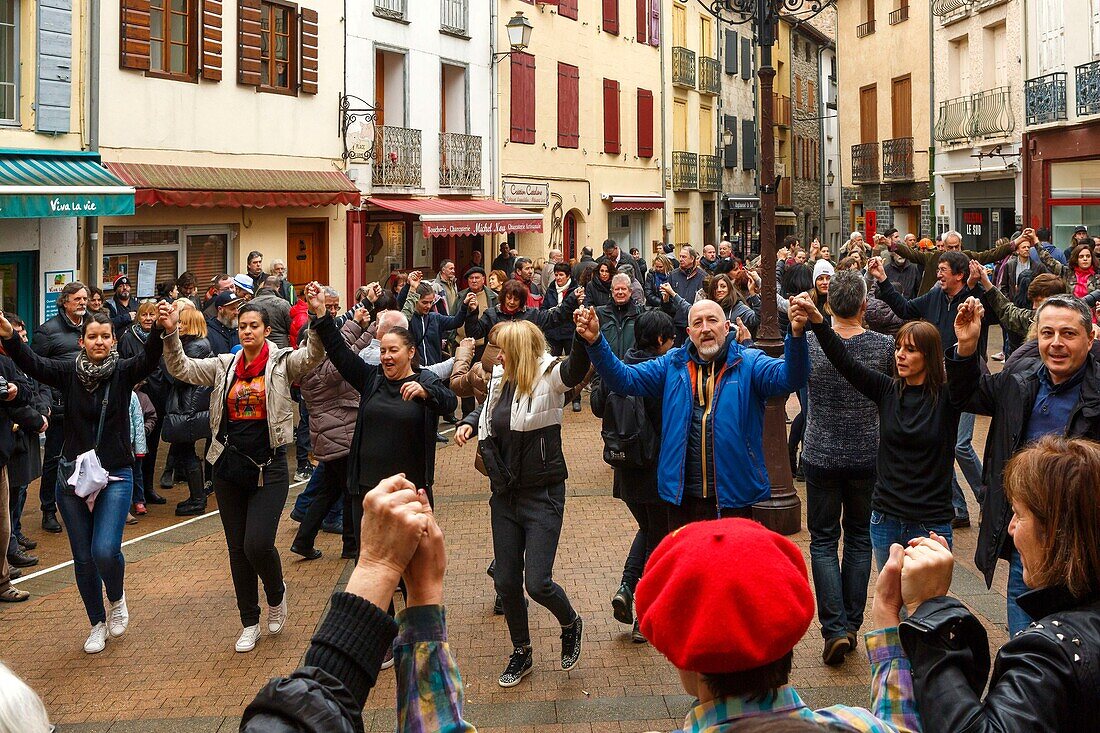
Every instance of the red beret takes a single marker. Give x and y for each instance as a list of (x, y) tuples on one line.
[(724, 596)]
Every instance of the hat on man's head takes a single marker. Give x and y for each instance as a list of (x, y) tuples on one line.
[(1081, 230), (225, 298), (724, 596), (121, 280), (242, 281)]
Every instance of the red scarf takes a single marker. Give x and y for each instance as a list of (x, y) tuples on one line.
[(248, 372)]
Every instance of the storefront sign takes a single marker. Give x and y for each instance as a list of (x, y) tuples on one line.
[(479, 228), (743, 204), (527, 195), (55, 282), (44, 207)]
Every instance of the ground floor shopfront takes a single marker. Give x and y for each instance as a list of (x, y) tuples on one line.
[(904, 206), (741, 224), (1061, 186)]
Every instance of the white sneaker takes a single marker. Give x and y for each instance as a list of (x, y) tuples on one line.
[(97, 639), (276, 615), (248, 638), (119, 617)]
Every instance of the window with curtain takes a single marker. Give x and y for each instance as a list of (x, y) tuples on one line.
[(278, 47)]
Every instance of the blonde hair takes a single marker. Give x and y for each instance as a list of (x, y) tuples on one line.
[(523, 346), (192, 323), (148, 306)]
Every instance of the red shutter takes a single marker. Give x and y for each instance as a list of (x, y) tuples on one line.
[(611, 16), (643, 21), (645, 123), (133, 35), (308, 76), (522, 98), (212, 40), (568, 106), (611, 117), (567, 9), (248, 42)]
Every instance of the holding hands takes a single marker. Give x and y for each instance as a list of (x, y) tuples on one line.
[(588, 324), (911, 576), (979, 274), (968, 326), (315, 297), (875, 269)]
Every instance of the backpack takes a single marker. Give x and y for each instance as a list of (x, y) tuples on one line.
[(629, 439)]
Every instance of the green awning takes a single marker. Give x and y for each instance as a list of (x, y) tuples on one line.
[(39, 183)]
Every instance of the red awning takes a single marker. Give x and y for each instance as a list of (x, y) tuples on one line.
[(463, 217), (208, 187), (627, 202)]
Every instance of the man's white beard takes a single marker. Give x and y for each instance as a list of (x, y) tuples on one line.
[(708, 353)]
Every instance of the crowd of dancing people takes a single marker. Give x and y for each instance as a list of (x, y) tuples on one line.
[(884, 348)]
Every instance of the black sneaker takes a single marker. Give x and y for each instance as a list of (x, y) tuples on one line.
[(49, 523), (519, 666), (571, 643), (636, 635), (25, 542), (835, 649), (853, 641), (622, 604), (309, 553)]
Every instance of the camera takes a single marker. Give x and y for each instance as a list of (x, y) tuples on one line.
[(3, 388)]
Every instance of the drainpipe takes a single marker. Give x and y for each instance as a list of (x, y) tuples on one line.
[(494, 106), (931, 129), (91, 223), (821, 108), (666, 41)]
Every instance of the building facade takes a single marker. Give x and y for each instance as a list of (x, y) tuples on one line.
[(738, 127), (830, 146), (805, 171), (233, 147), (884, 128), (979, 79), (1061, 145)]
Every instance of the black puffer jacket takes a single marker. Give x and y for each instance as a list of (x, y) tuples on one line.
[(25, 463), (187, 413), (20, 412), (1044, 679), (55, 338)]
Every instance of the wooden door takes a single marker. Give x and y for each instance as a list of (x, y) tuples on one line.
[(679, 25), (379, 88), (679, 125), (901, 107), (868, 114), (307, 251), (706, 43), (706, 130)]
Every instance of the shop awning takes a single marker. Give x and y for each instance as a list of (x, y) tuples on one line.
[(208, 187), (630, 202), (41, 184), (462, 217)]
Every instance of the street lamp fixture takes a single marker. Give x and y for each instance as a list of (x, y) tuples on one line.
[(727, 137), (830, 178), (519, 35)]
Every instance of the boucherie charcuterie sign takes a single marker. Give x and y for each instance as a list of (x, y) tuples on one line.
[(479, 227)]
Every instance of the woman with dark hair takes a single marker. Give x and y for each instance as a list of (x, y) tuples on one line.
[(1080, 274), (559, 337), (97, 386), (252, 423), (168, 290), (1044, 678), (95, 300), (917, 428), (512, 306), (598, 290), (723, 292), (187, 416), (636, 483)]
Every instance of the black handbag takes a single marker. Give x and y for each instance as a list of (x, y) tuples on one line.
[(500, 476), (65, 469)]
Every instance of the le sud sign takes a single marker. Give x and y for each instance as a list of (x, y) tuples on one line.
[(44, 206)]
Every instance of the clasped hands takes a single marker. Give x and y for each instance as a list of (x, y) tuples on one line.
[(911, 576)]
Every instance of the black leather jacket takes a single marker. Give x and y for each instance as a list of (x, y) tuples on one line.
[(55, 338), (1046, 678)]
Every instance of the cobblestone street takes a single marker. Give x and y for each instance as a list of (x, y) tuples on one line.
[(175, 669)]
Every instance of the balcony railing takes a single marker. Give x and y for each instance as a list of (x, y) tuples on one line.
[(781, 110), (390, 9), (453, 16), (897, 159), (1088, 88), (992, 113), (683, 67), (784, 197), (900, 15), (710, 76), (953, 121), (945, 8), (459, 160), (710, 173), (865, 163), (1045, 98), (685, 171), (865, 29), (396, 157)]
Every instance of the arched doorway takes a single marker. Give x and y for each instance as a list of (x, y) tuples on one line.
[(569, 236)]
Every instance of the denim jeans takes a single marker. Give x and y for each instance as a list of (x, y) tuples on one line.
[(835, 500), (51, 452), (17, 499), (313, 487), (1018, 620), (886, 530), (95, 537), (969, 463), (139, 488), (302, 445)]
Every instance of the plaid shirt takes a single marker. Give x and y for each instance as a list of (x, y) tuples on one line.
[(424, 664), (893, 705)]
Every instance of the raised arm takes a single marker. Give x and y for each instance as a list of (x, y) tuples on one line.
[(992, 255), (54, 372), (1052, 264), (645, 380), (353, 369)]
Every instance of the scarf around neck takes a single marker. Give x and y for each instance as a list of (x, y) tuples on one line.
[(248, 372), (92, 375)]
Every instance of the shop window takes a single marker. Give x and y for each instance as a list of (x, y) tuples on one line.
[(154, 256), (9, 62), (206, 257), (173, 40)]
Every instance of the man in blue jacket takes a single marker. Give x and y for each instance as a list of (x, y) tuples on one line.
[(713, 390)]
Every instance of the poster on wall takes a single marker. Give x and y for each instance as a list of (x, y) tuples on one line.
[(54, 283), (422, 250), (147, 279), (113, 266)]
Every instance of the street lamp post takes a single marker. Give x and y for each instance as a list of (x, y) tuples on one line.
[(782, 511)]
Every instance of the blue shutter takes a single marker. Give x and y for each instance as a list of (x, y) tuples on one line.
[(746, 58), (748, 145), (729, 152), (54, 72), (731, 52)]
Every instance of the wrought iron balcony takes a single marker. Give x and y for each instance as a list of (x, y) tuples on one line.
[(390, 9), (897, 159), (900, 15), (459, 160), (685, 171), (710, 173), (953, 121), (683, 67), (1088, 89), (396, 157), (992, 113), (865, 163), (945, 8), (784, 194), (781, 110), (710, 76), (865, 29), (1045, 98)]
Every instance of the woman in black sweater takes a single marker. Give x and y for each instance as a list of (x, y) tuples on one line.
[(97, 386), (917, 427)]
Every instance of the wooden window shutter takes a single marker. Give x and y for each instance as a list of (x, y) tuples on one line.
[(655, 23), (645, 123), (746, 59), (248, 42), (642, 20), (308, 75), (568, 106), (611, 142), (212, 40), (797, 92), (731, 52), (748, 145), (522, 83), (567, 9), (611, 16), (133, 41), (729, 152)]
